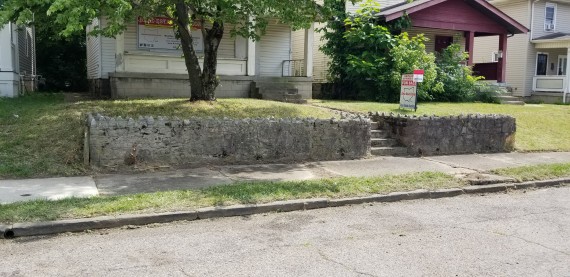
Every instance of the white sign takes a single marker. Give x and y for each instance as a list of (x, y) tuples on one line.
[(408, 92), (158, 33), (419, 75)]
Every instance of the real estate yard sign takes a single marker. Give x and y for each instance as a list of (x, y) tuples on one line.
[(408, 93), (158, 33)]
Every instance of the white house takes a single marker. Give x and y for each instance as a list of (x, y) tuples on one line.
[(17, 60), (145, 61), (538, 67)]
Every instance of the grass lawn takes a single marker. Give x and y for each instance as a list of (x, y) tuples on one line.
[(41, 135), (241, 193), (540, 127), (536, 172)]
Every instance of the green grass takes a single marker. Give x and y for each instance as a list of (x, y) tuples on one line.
[(536, 172), (41, 135), (241, 193), (540, 127)]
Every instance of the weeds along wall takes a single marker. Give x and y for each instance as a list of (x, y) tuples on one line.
[(433, 135), (115, 142)]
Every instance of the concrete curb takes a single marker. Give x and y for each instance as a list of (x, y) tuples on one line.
[(105, 222)]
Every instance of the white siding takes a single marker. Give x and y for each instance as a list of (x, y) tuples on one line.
[(26, 51), (108, 46), (298, 44), (93, 53), (274, 48), (484, 48), (562, 18), (320, 60)]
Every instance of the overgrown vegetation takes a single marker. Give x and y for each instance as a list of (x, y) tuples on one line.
[(241, 193), (368, 58), (41, 136)]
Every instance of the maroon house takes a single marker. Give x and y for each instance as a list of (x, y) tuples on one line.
[(459, 21)]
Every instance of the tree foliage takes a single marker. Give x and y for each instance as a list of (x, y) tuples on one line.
[(213, 15)]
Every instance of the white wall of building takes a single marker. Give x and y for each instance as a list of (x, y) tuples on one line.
[(9, 71)]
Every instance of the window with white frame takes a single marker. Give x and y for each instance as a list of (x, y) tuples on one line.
[(550, 17)]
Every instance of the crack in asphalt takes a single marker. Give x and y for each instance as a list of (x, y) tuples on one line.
[(328, 259)]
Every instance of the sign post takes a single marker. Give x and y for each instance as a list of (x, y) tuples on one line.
[(408, 93)]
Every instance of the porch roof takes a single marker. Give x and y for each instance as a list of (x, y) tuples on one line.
[(556, 37), (467, 15)]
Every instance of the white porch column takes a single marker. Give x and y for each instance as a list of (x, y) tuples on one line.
[(566, 92), (309, 41), (251, 57), (120, 52)]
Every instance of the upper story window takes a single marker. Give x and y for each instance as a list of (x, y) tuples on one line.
[(550, 17)]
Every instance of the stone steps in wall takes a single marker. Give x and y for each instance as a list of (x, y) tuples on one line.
[(379, 134), (383, 142), (389, 151)]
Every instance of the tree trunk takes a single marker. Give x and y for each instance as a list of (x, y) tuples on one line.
[(212, 38), (203, 83)]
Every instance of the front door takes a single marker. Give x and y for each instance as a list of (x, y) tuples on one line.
[(441, 42), (562, 64)]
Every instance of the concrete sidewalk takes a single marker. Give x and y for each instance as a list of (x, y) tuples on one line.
[(120, 184)]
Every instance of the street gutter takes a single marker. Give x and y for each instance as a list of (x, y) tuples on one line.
[(106, 222)]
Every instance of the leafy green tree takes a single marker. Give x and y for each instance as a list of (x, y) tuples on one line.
[(61, 60), (213, 15)]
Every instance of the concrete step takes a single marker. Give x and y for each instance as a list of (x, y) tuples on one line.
[(374, 125), (389, 151), (383, 142), (292, 96), (521, 103), (296, 101), (379, 134)]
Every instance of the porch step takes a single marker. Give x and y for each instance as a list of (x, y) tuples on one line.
[(511, 100), (374, 125), (389, 151), (383, 142), (277, 91), (379, 134)]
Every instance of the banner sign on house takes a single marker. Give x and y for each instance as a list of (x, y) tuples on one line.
[(158, 33), (408, 92)]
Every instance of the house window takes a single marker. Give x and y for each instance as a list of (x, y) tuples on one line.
[(562, 64), (550, 17), (541, 63)]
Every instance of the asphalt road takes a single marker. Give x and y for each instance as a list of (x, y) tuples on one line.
[(515, 234)]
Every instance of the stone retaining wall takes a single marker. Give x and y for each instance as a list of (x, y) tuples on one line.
[(118, 142), (433, 135)]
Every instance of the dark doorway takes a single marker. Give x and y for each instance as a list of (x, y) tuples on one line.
[(541, 64), (441, 42)]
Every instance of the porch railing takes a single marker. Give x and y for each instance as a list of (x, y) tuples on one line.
[(549, 83), (293, 68), (488, 70)]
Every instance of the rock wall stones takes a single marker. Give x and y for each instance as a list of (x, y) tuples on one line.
[(117, 142), (432, 135)]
